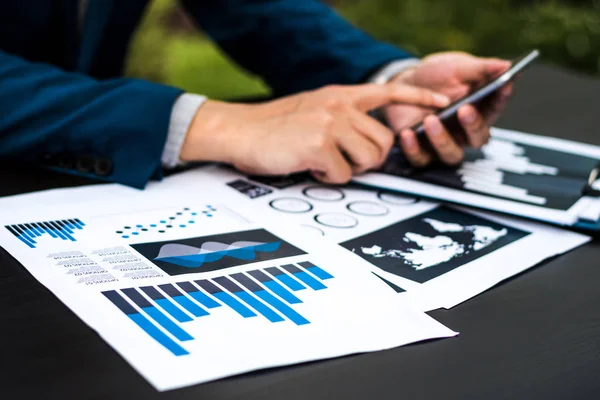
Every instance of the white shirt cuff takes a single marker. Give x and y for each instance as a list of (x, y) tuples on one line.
[(388, 72), (184, 109)]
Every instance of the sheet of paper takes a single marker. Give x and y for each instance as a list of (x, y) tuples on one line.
[(187, 292), (434, 256), (517, 172)]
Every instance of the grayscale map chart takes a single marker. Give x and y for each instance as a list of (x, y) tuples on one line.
[(510, 170), (428, 245)]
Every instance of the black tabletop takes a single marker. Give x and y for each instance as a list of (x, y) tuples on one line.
[(536, 336)]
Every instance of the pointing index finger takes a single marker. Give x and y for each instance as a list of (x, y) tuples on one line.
[(370, 96)]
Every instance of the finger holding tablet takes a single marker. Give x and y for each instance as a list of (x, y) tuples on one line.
[(464, 123)]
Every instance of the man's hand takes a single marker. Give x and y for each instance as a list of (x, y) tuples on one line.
[(455, 75), (326, 131)]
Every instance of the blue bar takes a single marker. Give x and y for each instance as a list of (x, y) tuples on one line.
[(203, 299), (282, 307), (186, 303), (318, 272), (258, 306), (33, 229), (290, 282), (26, 241), (235, 304), (71, 238), (28, 233), (57, 230), (309, 280), (166, 323), (80, 224), (38, 229), (49, 230), (282, 292), (67, 228), (173, 310), (157, 334)]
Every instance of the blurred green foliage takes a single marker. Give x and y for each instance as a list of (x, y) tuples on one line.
[(168, 49)]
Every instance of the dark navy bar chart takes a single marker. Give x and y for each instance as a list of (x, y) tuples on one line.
[(161, 310), (29, 232)]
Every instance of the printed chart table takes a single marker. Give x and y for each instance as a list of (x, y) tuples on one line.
[(535, 337)]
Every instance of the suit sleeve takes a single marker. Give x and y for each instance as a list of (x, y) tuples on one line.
[(114, 130), (294, 45)]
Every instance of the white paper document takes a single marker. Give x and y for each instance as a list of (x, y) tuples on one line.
[(433, 256), (516, 173), (187, 291)]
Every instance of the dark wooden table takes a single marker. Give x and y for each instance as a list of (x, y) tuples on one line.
[(534, 337)]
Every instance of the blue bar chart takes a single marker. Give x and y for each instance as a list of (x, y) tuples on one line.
[(29, 233), (162, 311)]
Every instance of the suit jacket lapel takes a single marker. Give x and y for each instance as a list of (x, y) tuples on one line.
[(95, 22)]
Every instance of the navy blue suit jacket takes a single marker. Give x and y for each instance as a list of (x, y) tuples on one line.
[(64, 105)]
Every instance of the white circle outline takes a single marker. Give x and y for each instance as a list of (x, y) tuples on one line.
[(385, 209), (310, 206), (316, 218), (306, 189)]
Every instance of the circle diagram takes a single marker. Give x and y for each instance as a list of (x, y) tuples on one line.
[(396, 199), (336, 220), (291, 205), (324, 193), (368, 208)]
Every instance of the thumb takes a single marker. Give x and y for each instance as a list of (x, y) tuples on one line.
[(370, 96)]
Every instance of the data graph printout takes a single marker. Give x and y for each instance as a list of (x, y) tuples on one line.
[(266, 294), (433, 243), (512, 170), (188, 291), (434, 256), (29, 232), (536, 177)]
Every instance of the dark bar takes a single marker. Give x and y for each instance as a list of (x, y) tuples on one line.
[(285, 279), (197, 295), (120, 302), (247, 282), (32, 229), (226, 298), (38, 228), (137, 298), (274, 286), (12, 230), (65, 226), (228, 284), (183, 301), (318, 272), (270, 299), (248, 299), (57, 230), (48, 229), (166, 304), (210, 287), (26, 232), (64, 231), (304, 277)]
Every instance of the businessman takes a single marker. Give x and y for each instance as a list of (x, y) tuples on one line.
[(63, 104)]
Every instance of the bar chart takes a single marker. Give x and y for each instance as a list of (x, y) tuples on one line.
[(269, 293), (30, 232)]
